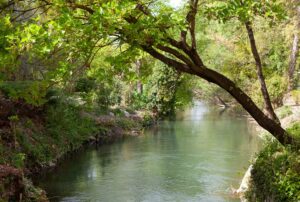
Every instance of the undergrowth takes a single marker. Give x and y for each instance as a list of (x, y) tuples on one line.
[(276, 172)]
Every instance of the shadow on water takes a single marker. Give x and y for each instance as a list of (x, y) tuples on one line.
[(196, 157)]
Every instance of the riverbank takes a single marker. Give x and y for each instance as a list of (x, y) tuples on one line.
[(35, 139), (275, 173)]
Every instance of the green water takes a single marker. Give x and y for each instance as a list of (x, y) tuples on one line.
[(198, 157)]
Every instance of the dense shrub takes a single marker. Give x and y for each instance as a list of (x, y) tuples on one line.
[(85, 85), (277, 86), (295, 130), (275, 175), (32, 92), (67, 127)]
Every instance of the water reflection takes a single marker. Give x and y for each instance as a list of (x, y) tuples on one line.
[(195, 158)]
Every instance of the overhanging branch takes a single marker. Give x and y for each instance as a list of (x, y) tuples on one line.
[(173, 63)]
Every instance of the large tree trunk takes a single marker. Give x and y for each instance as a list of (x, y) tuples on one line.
[(270, 125), (267, 101), (225, 83), (294, 54)]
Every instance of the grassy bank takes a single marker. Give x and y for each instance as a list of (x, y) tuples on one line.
[(275, 176), (33, 139)]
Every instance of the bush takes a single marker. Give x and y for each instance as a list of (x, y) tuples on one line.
[(85, 85), (18, 160), (53, 96), (139, 101), (277, 86), (32, 92), (148, 120), (127, 124), (294, 130), (118, 112), (296, 95), (275, 175), (67, 127)]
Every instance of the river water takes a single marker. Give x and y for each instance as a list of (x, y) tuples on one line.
[(197, 157)]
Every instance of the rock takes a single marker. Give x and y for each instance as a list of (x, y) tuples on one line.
[(245, 184), (289, 120), (33, 193), (52, 164), (126, 113), (135, 132), (290, 100), (111, 114), (75, 100)]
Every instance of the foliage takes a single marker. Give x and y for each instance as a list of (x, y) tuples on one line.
[(37, 142), (148, 120), (127, 124), (232, 16), (295, 130), (296, 95), (163, 86), (108, 95), (33, 92), (7, 62), (246, 10), (18, 160), (277, 87), (70, 130), (85, 85), (165, 90), (275, 175)]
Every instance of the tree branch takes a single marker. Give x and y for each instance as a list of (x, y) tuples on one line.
[(81, 6), (173, 63), (176, 53), (191, 19)]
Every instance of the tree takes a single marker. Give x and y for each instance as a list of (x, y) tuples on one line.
[(150, 26), (245, 12), (294, 51), (260, 75)]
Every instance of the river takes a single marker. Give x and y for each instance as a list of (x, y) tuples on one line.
[(197, 157)]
